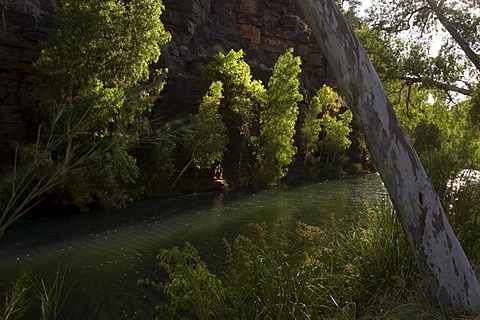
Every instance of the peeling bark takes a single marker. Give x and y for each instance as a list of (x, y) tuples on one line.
[(445, 269)]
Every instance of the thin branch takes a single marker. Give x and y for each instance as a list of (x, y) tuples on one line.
[(430, 83)]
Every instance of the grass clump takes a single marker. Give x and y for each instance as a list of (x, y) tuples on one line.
[(459, 191), (32, 295), (361, 268), (16, 300)]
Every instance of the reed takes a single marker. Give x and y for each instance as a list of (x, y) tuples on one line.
[(40, 167), (16, 299), (35, 297), (461, 203), (346, 269), (51, 294)]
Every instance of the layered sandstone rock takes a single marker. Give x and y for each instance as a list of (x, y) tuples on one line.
[(263, 29)]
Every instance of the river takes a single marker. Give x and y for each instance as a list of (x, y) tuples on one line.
[(104, 254)]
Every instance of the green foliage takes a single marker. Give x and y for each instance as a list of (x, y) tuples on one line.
[(164, 147), (311, 129), (192, 289), (425, 57), (242, 100), (426, 136), (32, 295), (337, 130), (101, 44), (209, 140), (94, 76), (34, 173), (460, 193), (267, 118), (464, 215), (384, 50), (342, 271), (275, 149), (325, 133), (436, 125), (15, 300), (242, 95)]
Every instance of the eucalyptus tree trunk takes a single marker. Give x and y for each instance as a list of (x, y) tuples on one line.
[(445, 269)]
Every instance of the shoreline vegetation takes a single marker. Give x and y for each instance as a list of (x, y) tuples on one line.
[(96, 120), (357, 267)]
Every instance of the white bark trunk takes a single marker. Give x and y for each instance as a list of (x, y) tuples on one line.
[(443, 265)]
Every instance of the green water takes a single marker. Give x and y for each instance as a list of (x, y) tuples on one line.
[(106, 253)]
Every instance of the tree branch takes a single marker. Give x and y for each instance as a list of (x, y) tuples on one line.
[(430, 83), (472, 56)]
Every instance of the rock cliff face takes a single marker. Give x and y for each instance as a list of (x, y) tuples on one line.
[(23, 25), (264, 29)]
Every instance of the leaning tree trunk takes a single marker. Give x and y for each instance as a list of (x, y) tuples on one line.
[(447, 274), (437, 9)]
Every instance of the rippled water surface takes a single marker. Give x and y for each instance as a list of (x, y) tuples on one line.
[(106, 253)]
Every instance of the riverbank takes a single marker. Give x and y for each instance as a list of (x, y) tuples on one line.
[(106, 253)]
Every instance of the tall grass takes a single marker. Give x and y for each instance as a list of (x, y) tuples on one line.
[(361, 268), (51, 294), (16, 299), (37, 170), (34, 296)]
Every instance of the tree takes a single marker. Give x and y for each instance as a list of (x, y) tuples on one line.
[(456, 65), (208, 141), (275, 149), (243, 98), (311, 129), (336, 125), (95, 72), (324, 116), (445, 270)]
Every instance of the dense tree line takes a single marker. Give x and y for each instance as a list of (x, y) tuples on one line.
[(267, 119), (94, 85), (96, 89)]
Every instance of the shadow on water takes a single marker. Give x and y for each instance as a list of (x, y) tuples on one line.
[(106, 253)]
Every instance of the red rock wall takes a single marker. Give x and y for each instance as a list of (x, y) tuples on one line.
[(263, 29)]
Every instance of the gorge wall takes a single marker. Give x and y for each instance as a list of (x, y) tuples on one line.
[(24, 24), (264, 29)]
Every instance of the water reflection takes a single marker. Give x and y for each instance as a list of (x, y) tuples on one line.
[(106, 253)]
